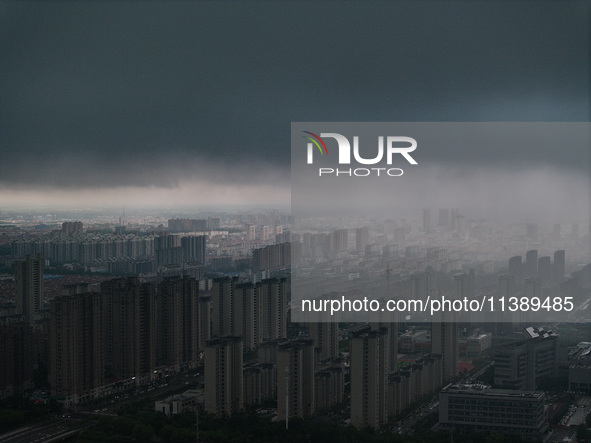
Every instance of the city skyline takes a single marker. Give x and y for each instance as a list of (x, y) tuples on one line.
[(169, 243)]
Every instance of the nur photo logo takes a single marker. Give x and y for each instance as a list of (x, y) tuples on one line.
[(388, 147)]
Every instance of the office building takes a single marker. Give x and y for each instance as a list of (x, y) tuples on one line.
[(478, 342), (480, 408), (579, 368), (523, 364)]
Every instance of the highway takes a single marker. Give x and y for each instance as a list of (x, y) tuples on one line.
[(57, 431)]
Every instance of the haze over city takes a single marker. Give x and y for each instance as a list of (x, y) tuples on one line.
[(178, 262)]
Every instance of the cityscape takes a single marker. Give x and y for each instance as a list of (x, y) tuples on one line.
[(295, 221), (103, 317)]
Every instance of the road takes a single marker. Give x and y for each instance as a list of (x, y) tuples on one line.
[(63, 427), (53, 432)]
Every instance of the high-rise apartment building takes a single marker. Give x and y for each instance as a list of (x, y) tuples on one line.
[(426, 220), (193, 248), (260, 383), (545, 273), (177, 310), (329, 386), (76, 337), (295, 379), (505, 322), (531, 264), (339, 240), (515, 269), (361, 238), (273, 305), (369, 378), (71, 227), (168, 250), (224, 376), (444, 342), (222, 300), (258, 312), (204, 320), (18, 348), (443, 221), (464, 285), (129, 309), (247, 312), (559, 266), (326, 338), (28, 277)]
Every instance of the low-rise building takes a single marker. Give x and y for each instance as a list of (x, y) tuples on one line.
[(177, 404), (480, 408), (579, 368)]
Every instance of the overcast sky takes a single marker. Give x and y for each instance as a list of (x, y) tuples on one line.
[(191, 102)]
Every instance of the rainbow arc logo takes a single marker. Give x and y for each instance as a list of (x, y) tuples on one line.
[(316, 142)]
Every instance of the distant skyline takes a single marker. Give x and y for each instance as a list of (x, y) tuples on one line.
[(181, 103)]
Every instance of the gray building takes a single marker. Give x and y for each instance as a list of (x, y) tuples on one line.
[(521, 365), (480, 408), (28, 277), (224, 394)]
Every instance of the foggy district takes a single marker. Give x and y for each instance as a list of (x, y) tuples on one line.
[(143, 315)]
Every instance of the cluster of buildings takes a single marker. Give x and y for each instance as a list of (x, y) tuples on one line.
[(129, 331), (85, 248)]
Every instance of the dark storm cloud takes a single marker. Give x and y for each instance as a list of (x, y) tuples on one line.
[(114, 93)]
